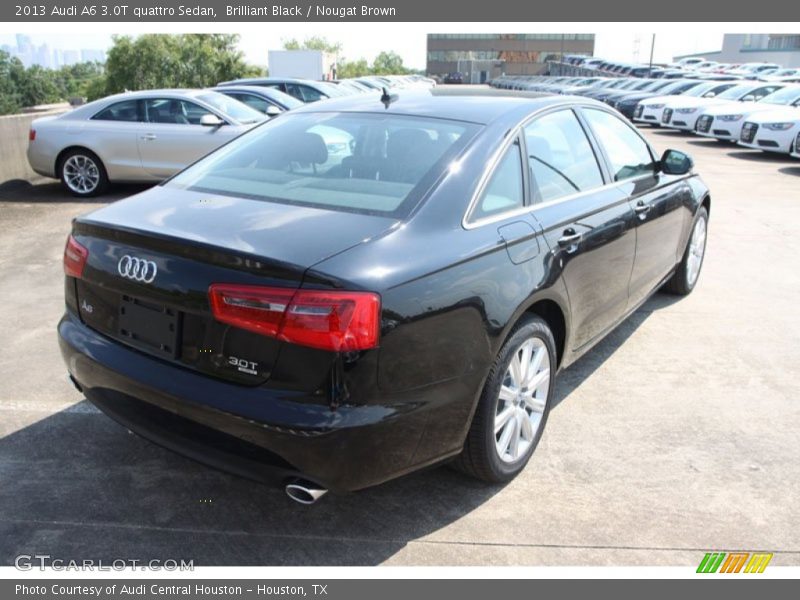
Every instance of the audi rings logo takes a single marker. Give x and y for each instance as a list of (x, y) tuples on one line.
[(137, 269)]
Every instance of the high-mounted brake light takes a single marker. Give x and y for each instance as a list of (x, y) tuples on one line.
[(75, 257), (330, 320)]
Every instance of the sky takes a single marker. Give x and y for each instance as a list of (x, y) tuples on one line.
[(362, 40)]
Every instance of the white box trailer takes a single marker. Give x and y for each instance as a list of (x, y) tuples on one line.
[(302, 64)]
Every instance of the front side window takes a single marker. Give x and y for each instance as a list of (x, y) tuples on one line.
[(628, 154), (560, 157), (173, 111), (365, 163), (119, 111), (504, 191)]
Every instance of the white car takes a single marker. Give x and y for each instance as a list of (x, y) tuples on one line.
[(771, 130), (134, 137), (780, 74), (682, 113), (652, 110), (724, 121), (687, 63)]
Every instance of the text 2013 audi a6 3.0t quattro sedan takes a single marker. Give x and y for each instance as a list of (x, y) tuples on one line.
[(359, 289)]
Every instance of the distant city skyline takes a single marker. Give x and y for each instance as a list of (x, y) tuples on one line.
[(30, 53)]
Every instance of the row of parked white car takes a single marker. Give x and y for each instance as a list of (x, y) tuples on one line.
[(763, 115), (741, 113), (149, 135), (693, 66)]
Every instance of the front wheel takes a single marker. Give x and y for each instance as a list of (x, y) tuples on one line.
[(688, 270), (514, 405)]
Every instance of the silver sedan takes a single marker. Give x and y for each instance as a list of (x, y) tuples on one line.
[(134, 137)]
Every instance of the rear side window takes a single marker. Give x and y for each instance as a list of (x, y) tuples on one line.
[(560, 158), (628, 154), (504, 191), (120, 111)]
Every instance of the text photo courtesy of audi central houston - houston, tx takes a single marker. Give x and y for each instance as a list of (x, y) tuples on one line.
[(315, 296)]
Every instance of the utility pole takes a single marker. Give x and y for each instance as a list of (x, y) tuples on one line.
[(652, 48)]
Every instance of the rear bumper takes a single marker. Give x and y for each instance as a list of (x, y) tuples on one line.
[(257, 432), (40, 160)]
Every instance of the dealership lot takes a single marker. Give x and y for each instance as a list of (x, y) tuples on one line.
[(675, 436)]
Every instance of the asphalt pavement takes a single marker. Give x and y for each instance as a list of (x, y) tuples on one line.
[(677, 435)]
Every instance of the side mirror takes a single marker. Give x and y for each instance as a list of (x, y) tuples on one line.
[(675, 162), (209, 120), (273, 111), (749, 98)]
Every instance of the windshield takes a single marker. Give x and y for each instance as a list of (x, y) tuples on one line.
[(702, 89), (783, 96), (232, 108), (288, 101), (736, 92), (660, 85), (358, 162), (678, 87)]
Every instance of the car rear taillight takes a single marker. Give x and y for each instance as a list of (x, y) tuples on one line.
[(330, 320), (75, 257), (31, 135)]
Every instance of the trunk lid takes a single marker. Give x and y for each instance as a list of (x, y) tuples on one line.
[(177, 244)]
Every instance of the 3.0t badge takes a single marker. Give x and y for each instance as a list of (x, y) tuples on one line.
[(137, 269)]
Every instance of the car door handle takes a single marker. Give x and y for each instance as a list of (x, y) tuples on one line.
[(642, 208), (149, 136), (569, 238)]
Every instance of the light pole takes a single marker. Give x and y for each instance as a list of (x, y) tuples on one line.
[(652, 48)]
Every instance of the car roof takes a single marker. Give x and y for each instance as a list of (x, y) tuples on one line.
[(164, 91), (255, 89), (475, 106), (258, 80)]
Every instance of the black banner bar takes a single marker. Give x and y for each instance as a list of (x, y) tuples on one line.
[(495, 11), (394, 589)]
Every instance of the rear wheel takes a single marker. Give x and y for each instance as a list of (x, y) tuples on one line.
[(82, 173), (688, 271), (514, 405)]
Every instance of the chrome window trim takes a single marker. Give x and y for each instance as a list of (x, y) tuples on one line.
[(511, 137)]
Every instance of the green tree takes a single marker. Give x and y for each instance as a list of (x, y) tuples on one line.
[(388, 63), (314, 42), (355, 68), (37, 86), (11, 72), (167, 61)]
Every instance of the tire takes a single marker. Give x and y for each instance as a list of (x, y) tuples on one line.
[(481, 457), (82, 173), (687, 273)]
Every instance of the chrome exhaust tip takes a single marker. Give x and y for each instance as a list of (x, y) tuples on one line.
[(305, 492)]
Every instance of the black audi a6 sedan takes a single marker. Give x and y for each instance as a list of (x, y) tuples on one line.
[(362, 288)]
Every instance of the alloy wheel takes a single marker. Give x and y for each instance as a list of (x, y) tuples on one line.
[(522, 400), (697, 248), (81, 174)]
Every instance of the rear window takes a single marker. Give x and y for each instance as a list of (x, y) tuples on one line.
[(367, 163)]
